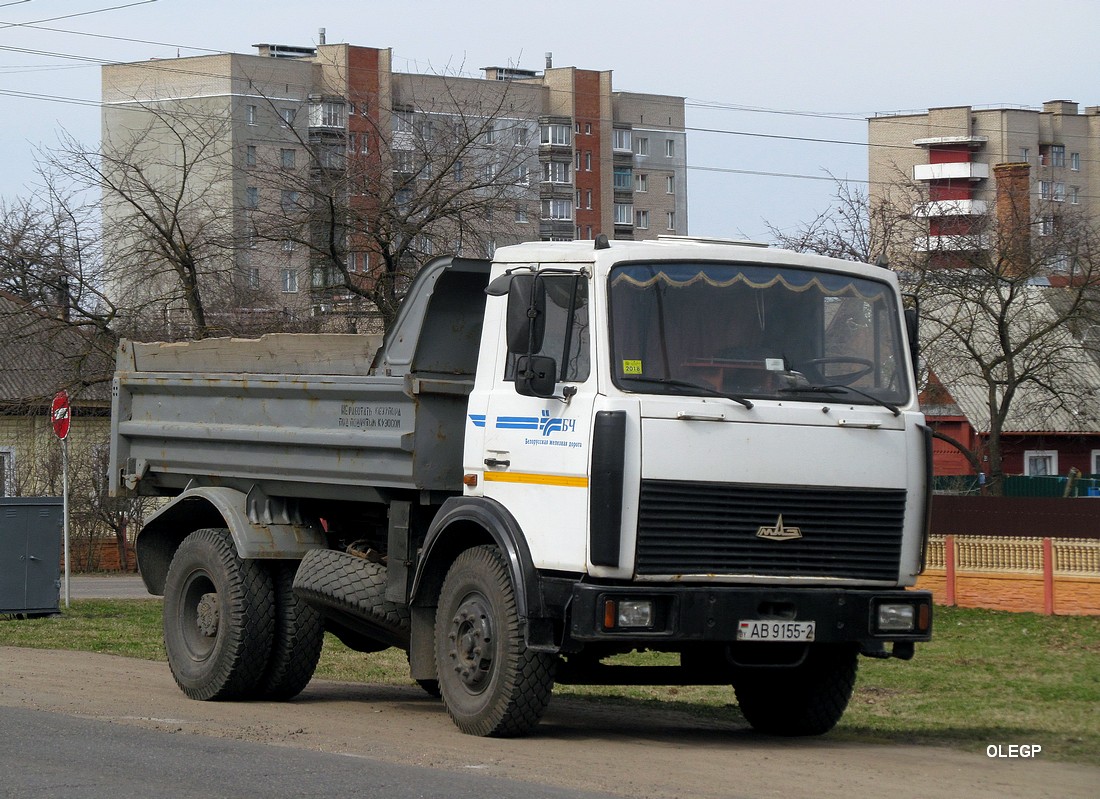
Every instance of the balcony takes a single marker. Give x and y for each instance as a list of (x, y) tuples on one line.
[(950, 243), (960, 170), (951, 208)]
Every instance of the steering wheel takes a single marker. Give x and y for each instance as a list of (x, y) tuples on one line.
[(863, 367)]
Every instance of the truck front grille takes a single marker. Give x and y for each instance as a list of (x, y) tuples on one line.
[(712, 528)]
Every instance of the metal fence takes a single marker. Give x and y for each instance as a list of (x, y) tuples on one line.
[(1020, 486)]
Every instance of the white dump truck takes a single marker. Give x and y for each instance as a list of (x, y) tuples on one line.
[(706, 449)]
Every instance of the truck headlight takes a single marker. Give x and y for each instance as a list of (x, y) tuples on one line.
[(628, 613), (896, 618)]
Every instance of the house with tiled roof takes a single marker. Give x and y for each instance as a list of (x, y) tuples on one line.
[(39, 356), (1053, 423)]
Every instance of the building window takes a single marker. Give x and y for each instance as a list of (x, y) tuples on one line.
[(1094, 461), (588, 128), (521, 214), (1058, 155), (624, 214), (671, 220), (288, 245), (328, 114), (288, 200), (588, 199), (458, 170), (555, 172), (251, 197), (620, 139), (587, 160), (286, 158), (1075, 162), (288, 117), (490, 134), (252, 277), (1046, 226), (519, 135), (555, 134), (402, 122), (623, 179), (402, 161), (670, 184), (641, 182), (641, 145), (1054, 191), (578, 198), (1025, 154), (521, 175), (1040, 462), (250, 155), (290, 281), (557, 209), (250, 114), (1074, 195), (7, 472), (641, 220)]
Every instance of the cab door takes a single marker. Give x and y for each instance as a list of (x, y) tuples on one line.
[(536, 449)]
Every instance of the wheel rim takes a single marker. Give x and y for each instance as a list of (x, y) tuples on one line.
[(199, 617), (471, 643)]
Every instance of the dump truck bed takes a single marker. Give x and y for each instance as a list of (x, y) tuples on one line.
[(297, 415)]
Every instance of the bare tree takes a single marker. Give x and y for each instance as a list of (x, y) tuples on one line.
[(163, 177), (453, 172)]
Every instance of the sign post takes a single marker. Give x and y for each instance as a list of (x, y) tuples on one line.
[(61, 416)]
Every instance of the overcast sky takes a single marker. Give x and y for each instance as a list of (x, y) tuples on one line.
[(778, 91)]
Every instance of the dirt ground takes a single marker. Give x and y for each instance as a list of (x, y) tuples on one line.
[(648, 753)]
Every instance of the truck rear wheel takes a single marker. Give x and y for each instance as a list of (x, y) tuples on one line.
[(491, 683), (296, 645), (808, 699), (218, 618)]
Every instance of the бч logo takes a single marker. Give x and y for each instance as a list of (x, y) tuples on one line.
[(779, 532)]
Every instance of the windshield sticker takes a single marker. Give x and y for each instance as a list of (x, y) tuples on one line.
[(632, 367)]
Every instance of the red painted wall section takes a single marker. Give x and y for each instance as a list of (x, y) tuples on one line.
[(949, 190), (586, 112), (946, 155)]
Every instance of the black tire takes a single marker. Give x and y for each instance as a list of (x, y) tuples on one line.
[(805, 700), (352, 592), (296, 644), (218, 618), (491, 683)]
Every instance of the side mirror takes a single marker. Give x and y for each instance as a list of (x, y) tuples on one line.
[(536, 375), (912, 330), (526, 314)]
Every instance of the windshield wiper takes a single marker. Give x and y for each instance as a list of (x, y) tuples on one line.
[(671, 381), (836, 388)]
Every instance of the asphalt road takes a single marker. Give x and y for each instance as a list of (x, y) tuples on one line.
[(56, 755)]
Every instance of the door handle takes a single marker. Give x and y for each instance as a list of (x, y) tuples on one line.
[(495, 463)]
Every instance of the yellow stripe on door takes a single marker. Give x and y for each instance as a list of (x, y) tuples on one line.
[(537, 479)]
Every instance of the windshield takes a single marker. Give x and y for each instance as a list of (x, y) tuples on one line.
[(755, 331)]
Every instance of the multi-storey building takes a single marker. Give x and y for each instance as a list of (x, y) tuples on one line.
[(956, 157), (561, 153)]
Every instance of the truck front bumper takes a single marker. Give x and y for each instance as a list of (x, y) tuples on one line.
[(684, 613)]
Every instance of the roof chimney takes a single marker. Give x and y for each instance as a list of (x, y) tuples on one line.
[(549, 60), (1013, 216), (320, 36)]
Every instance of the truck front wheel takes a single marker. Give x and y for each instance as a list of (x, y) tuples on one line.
[(218, 618), (808, 699), (491, 683)]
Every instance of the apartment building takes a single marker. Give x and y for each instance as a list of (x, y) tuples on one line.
[(944, 166), (561, 154)]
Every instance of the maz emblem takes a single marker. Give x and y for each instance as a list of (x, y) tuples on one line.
[(779, 532)]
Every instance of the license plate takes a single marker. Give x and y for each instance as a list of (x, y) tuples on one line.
[(768, 630)]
